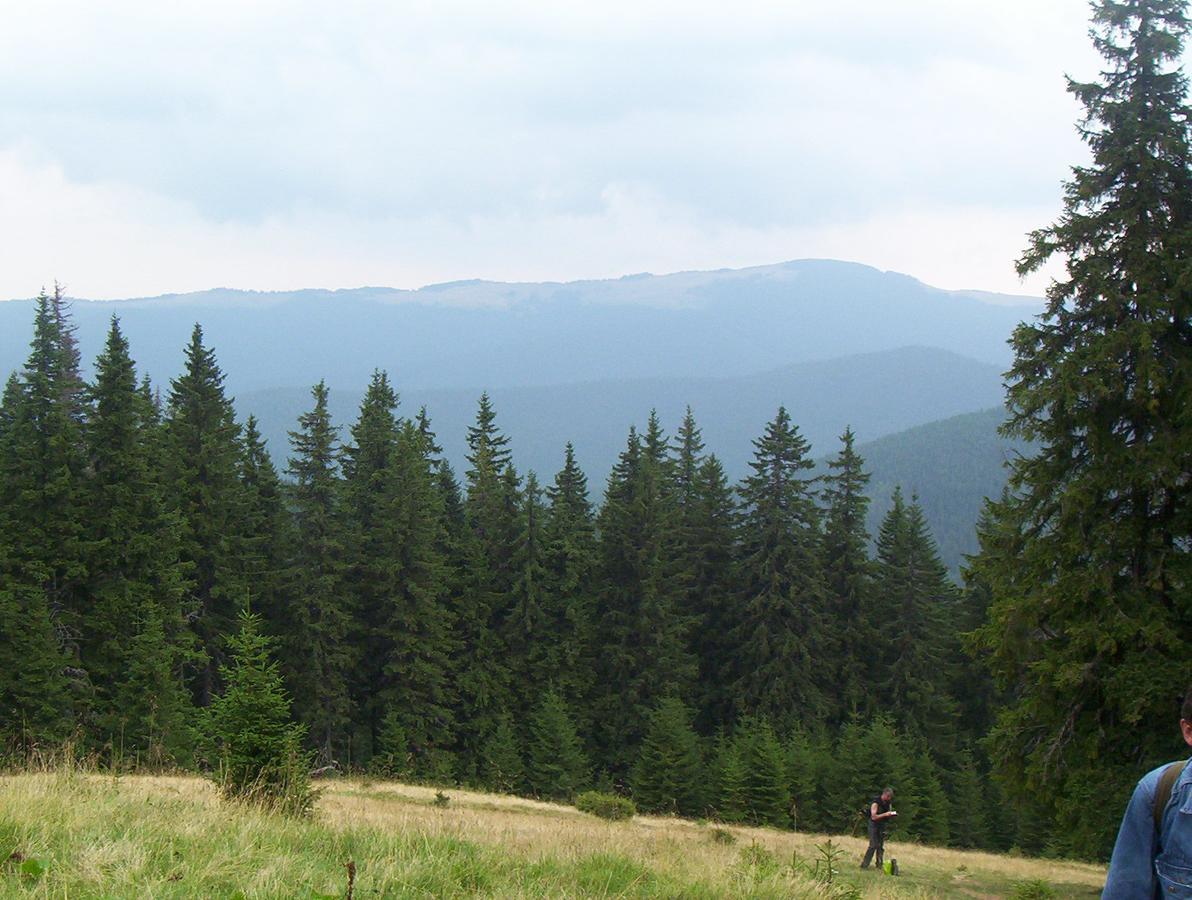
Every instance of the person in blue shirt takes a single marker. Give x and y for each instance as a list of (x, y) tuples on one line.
[(1150, 863)]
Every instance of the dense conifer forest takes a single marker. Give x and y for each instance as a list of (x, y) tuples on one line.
[(708, 648)]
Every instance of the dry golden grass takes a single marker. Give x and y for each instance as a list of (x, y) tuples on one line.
[(150, 836)]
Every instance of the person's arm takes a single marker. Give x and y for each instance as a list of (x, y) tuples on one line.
[(1131, 868), (877, 816)]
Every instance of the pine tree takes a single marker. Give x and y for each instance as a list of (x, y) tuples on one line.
[(968, 806), (731, 804), (848, 574), (482, 584), (669, 774), (42, 472), (257, 747), (808, 759), (705, 542), (528, 637), (314, 656), (132, 626), (764, 788), (501, 759), (370, 572), (202, 483), (642, 634), (569, 558), (1090, 562), (779, 665), (918, 611), (268, 536), (414, 639), (557, 767)]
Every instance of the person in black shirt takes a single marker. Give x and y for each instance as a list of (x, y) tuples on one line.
[(879, 812)]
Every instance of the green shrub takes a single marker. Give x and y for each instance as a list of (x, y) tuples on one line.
[(1035, 889), (606, 806)]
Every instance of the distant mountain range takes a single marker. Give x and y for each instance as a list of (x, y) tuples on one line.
[(836, 343), (483, 334)]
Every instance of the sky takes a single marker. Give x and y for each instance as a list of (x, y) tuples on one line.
[(150, 147)]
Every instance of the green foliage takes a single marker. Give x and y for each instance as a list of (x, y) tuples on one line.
[(557, 768), (257, 748), (1035, 889), (669, 774), (503, 769), (763, 787), (1088, 556), (779, 631), (606, 806)]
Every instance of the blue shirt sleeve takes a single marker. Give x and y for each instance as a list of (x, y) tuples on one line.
[(1132, 866)]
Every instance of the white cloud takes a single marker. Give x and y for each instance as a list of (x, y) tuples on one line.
[(149, 147)]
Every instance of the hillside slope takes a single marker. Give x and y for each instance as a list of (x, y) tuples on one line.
[(168, 837)]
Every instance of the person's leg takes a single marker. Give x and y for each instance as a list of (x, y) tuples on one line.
[(873, 846), (880, 838)]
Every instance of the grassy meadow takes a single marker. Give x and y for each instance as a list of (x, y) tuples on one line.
[(77, 835)]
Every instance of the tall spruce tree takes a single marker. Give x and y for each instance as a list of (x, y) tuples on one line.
[(131, 628), (848, 573), (483, 584), (1089, 566), (267, 531), (368, 488), (705, 543), (778, 661), (202, 481), (917, 608), (528, 637), (569, 540), (414, 638), (315, 659), (43, 549), (642, 633)]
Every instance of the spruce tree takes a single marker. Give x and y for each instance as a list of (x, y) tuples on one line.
[(131, 630), (202, 482), (1089, 565), (501, 760), (557, 766), (569, 540), (778, 662), (917, 612), (528, 637), (370, 575), (257, 748), (705, 543), (414, 638), (764, 788), (268, 538), (642, 633), (669, 774), (968, 805), (484, 582), (42, 473), (808, 759), (848, 574), (314, 656)]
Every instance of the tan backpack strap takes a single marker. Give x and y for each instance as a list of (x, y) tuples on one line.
[(1163, 792)]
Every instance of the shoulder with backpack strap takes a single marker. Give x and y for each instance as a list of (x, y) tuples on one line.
[(1163, 790)]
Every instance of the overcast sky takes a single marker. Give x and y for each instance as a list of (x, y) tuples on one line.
[(159, 147)]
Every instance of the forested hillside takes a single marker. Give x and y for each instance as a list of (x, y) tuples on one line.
[(535, 636), (952, 466)]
